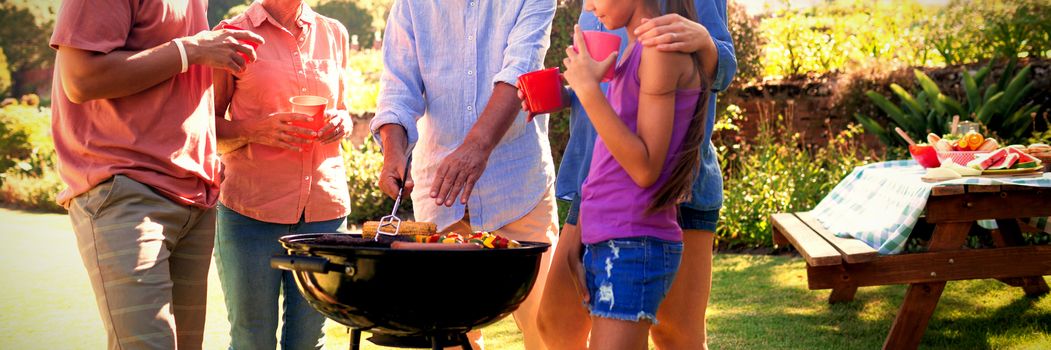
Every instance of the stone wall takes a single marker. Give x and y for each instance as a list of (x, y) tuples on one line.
[(814, 106)]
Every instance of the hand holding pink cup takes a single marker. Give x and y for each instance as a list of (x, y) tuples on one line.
[(600, 46)]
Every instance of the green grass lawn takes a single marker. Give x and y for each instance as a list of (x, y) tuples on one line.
[(758, 302)]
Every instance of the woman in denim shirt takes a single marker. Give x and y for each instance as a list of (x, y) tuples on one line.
[(682, 314)]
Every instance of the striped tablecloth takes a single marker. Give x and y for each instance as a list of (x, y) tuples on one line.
[(880, 203)]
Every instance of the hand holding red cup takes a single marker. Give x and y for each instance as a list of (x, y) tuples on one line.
[(253, 44), (541, 91)]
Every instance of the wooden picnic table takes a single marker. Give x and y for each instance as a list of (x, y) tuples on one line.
[(844, 264)]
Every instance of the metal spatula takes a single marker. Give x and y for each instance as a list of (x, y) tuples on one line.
[(393, 220)]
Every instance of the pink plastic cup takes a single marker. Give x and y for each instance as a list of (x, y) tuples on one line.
[(253, 44), (600, 46), (542, 89), (314, 106)]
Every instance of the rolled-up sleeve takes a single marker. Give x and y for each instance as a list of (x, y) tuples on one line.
[(528, 42), (713, 17), (401, 99)]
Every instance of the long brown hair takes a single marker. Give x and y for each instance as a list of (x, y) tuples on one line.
[(688, 158)]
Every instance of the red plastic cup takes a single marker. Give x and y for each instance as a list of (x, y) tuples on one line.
[(542, 89), (314, 106), (600, 46), (253, 44), (926, 155)]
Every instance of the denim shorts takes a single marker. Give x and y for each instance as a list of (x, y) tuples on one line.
[(689, 218), (628, 278)]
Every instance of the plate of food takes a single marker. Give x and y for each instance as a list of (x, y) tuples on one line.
[(1010, 160)]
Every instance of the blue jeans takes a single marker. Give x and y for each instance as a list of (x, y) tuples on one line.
[(243, 247), (628, 278)]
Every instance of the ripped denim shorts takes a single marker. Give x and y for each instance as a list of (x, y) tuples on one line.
[(628, 278)]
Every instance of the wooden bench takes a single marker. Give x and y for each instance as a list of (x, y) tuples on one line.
[(844, 264)]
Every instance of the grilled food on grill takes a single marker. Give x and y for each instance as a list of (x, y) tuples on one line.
[(408, 228)]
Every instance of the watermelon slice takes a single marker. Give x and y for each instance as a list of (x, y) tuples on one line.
[(1005, 163), (985, 161), (1027, 165), (1024, 159)]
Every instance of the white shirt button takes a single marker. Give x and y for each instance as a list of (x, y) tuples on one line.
[(303, 89), (470, 72), (470, 108), (470, 37), (472, 3)]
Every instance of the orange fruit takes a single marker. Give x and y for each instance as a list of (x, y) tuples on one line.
[(974, 140)]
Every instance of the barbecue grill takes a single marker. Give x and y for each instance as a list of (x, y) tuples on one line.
[(414, 298)]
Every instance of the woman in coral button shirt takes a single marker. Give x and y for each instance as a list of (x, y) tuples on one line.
[(279, 179)]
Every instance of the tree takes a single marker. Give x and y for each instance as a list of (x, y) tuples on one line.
[(357, 20), (24, 41), (218, 9)]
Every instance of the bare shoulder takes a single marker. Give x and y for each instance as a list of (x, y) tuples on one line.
[(663, 72)]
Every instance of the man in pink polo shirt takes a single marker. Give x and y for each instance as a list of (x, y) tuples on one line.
[(135, 136)]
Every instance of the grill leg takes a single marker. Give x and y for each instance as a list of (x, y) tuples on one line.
[(355, 339), (465, 343), (436, 343)]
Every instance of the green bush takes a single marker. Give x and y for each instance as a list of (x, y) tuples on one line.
[(27, 157), (25, 139), (566, 17), (837, 35), (967, 31), (28, 191), (774, 172), (5, 74), (1001, 106), (831, 36), (357, 20), (363, 81), (367, 202)]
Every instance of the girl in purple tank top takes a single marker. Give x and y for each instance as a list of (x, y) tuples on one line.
[(650, 126)]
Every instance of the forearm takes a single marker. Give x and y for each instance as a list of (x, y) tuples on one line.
[(88, 75), (496, 119), (710, 60), (395, 142), (229, 134)]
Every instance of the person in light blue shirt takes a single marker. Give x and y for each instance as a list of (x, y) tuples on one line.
[(448, 93), (564, 321)]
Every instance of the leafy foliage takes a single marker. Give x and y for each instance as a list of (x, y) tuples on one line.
[(5, 74), (220, 9), (27, 158), (25, 139), (748, 43), (363, 81), (774, 172), (566, 17), (1000, 106), (24, 40), (357, 20), (363, 164), (967, 31), (838, 33)]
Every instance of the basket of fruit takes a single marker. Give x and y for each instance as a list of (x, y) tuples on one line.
[(962, 149)]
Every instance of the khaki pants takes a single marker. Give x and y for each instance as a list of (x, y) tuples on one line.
[(539, 225), (147, 259)]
